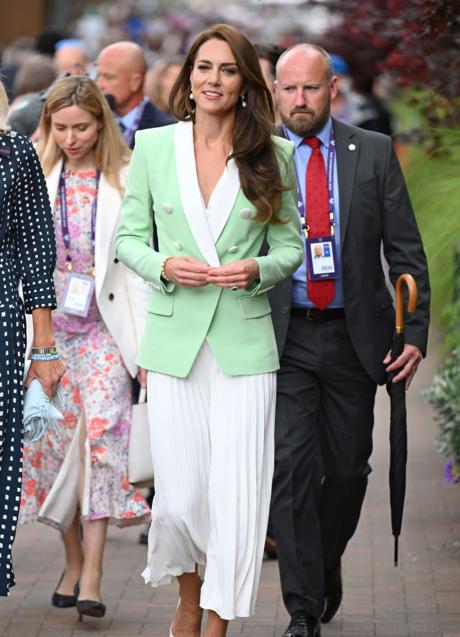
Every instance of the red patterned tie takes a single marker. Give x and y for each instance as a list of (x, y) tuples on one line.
[(320, 293)]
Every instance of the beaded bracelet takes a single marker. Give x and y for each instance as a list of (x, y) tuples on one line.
[(163, 265), (44, 350), (44, 357)]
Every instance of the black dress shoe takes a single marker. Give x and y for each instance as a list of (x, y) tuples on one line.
[(144, 535), (332, 593), (270, 548), (302, 625), (90, 607), (65, 601)]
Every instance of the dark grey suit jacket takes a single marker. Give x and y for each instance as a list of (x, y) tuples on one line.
[(152, 117), (374, 209)]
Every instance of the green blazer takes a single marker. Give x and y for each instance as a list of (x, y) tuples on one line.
[(162, 182)]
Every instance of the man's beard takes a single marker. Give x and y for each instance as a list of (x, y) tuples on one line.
[(307, 127)]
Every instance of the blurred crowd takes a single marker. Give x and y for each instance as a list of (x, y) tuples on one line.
[(30, 65)]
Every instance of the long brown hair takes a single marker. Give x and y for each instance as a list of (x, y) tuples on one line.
[(110, 151), (253, 149)]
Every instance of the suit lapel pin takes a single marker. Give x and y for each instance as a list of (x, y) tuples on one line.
[(351, 146)]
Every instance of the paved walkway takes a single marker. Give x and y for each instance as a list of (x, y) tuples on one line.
[(420, 598)]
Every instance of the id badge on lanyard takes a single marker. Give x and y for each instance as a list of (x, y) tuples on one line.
[(321, 252), (79, 287), (322, 258), (78, 292)]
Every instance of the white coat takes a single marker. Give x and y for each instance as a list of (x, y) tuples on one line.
[(121, 295)]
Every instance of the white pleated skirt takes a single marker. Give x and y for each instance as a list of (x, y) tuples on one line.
[(212, 440)]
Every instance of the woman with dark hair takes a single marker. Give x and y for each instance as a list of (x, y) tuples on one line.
[(218, 183)]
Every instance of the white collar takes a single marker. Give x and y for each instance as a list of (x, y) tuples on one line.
[(208, 223)]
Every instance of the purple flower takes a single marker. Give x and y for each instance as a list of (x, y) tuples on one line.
[(449, 475)]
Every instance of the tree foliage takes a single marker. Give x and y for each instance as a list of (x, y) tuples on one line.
[(416, 41)]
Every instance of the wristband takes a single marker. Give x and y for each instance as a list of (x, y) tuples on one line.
[(44, 357), (44, 350), (162, 273)]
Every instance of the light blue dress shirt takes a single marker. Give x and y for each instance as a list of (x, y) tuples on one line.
[(299, 278), (130, 121)]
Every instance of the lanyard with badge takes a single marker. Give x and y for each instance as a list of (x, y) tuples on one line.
[(322, 262), (79, 287)]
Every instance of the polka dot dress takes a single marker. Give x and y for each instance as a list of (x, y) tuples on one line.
[(27, 254)]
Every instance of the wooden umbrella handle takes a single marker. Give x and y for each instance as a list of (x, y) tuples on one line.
[(409, 281)]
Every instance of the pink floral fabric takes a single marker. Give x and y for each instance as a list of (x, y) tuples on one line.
[(96, 387)]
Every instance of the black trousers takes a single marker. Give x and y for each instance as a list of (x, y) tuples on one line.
[(324, 422)]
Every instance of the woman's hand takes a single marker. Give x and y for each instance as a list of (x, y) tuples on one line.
[(187, 272), (237, 274), (49, 373)]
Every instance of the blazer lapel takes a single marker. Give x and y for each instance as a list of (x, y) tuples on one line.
[(52, 183), (347, 149), (223, 199), (190, 194), (107, 215)]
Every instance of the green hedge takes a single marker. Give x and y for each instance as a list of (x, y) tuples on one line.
[(434, 185)]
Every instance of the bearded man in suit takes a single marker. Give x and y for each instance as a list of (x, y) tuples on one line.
[(334, 333)]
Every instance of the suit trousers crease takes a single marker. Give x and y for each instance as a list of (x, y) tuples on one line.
[(212, 439), (323, 441)]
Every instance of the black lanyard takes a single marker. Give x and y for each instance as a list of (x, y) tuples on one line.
[(65, 219)]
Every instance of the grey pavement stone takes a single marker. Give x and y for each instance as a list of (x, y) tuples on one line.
[(419, 598)]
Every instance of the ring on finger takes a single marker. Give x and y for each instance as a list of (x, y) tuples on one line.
[(234, 286)]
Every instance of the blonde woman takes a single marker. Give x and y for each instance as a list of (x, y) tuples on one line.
[(83, 472), (27, 254)]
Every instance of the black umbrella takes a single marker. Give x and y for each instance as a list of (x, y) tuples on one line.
[(398, 425)]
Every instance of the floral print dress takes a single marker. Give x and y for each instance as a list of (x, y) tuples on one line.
[(95, 389)]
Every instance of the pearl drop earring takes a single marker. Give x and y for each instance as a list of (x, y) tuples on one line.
[(192, 99), (243, 103)]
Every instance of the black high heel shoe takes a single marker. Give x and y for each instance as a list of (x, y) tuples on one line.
[(65, 601), (89, 607)]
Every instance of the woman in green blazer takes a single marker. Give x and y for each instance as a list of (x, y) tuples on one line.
[(215, 185)]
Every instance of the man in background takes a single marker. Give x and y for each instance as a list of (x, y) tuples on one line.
[(121, 69), (334, 332), (268, 57), (70, 57)]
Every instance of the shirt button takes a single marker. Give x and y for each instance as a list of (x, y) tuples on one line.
[(285, 309), (177, 245), (233, 249), (167, 208), (111, 296), (245, 213)]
